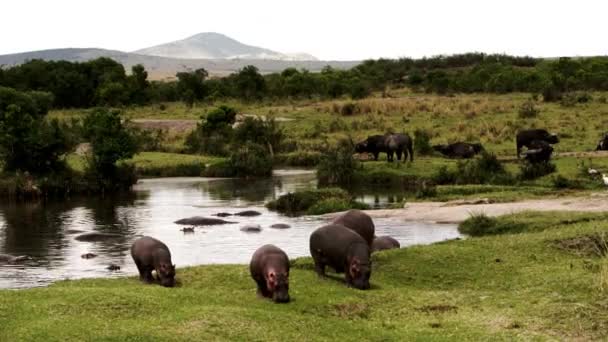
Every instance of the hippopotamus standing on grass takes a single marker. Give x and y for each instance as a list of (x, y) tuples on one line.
[(269, 268), (384, 242), (525, 137), (459, 150), (150, 254), (359, 222), (343, 250)]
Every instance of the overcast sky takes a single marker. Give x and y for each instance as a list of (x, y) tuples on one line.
[(329, 30)]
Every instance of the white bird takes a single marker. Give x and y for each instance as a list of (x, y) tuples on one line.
[(592, 172), (605, 179)]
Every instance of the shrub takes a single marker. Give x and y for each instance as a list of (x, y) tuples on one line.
[(251, 160), (349, 109), (315, 202), (302, 158), (426, 190), (213, 134), (531, 171), (528, 110), (551, 94), (332, 205), (444, 176), (266, 133), (481, 225), (150, 140), (422, 142), (484, 170), (561, 182), (337, 165)]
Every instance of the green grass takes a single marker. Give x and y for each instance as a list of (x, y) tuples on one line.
[(508, 287)]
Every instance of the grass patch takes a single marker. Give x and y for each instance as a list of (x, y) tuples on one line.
[(508, 287), (315, 202)]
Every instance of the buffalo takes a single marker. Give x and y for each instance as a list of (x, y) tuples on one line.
[(391, 144), (459, 150), (526, 137)]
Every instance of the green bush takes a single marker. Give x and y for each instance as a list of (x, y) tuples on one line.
[(561, 182), (314, 202), (531, 171), (213, 134), (337, 165), (481, 225), (422, 142), (301, 159), (426, 190), (266, 133), (251, 160), (332, 205)]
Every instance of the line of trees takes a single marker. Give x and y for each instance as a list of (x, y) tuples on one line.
[(104, 82)]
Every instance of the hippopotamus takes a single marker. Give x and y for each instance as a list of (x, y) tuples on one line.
[(202, 221), (88, 255), (251, 228), (400, 144), (11, 259), (248, 213), (343, 250), (359, 222), (538, 151), (97, 236), (602, 145), (223, 214), (525, 137), (151, 254), (459, 150), (269, 268), (280, 226), (374, 144), (384, 242)]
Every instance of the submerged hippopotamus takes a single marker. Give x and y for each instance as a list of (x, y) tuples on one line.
[(526, 137), (151, 254), (399, 144), (248, 213), (11, 259), (359, 222), (343, 250), (202, 221), (96, 236), (459, 150), (269, 268), (384, 242), (538, 152)]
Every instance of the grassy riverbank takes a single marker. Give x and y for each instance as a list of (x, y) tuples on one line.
[(531, 285)]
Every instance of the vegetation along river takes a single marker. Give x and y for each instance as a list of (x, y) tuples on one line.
[(47, 231)]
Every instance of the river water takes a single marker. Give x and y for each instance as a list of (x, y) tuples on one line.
[(47, 231)]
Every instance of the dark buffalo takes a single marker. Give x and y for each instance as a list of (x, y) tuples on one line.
[(384, 242), (602, 145), (539, 151), (374, 144), (459, 150), (525, 137), (150, 254), (343, 250), (359, 222), (269, 268)]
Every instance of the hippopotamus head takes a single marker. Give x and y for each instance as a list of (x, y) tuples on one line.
[(552, 139), (360, 272), (278, 284), (166, 274)]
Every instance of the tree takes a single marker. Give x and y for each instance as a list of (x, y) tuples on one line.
[(250, 84), (138, 84), (191, 85)]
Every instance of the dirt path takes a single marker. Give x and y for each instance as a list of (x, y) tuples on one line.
[(455, 212)]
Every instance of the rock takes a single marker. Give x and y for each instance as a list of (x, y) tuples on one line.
[(252, 228), (202, 221), (248, 213), (280, 226), (113, 267), (88, 255), (95, 236)]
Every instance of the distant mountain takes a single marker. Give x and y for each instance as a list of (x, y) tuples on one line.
[(211, 45), (166, 68)]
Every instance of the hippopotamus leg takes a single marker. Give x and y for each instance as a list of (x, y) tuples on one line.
[(262, 289), (145, 273)]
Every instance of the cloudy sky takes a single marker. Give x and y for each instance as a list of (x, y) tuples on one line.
[(330, 30)]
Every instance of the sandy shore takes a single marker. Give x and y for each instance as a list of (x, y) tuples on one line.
[(455, 212)]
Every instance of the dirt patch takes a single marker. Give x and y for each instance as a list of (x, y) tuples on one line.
[(440, 308), (594, 245)]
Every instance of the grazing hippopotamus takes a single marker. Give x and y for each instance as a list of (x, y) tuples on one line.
[(248, 213), (359, 222), (399, 144), (374, 144), (384, 242), (202, 221), (269, 268), (11, 259), (96, 236), (538, 152), (602, 145), (343, 250), (525, 137), (151, 254), (459, 150)]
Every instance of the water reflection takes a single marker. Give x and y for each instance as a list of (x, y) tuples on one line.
[(47, 231)]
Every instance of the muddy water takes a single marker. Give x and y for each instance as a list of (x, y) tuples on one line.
[(47, 232)]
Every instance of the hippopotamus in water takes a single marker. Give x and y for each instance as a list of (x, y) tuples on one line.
[(269, 268), (222, 214), (359, 222), (248, 213), (202, 221), (459, 150), (251, 228), (280, 226), (389, 143), (343, 250), (538, 152), (384, 242), (96, 236), (525, 137), (151, 254), (602, 145), (11, 259)]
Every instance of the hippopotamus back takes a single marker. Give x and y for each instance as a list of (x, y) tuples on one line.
[(359, 222), (384, 242)]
